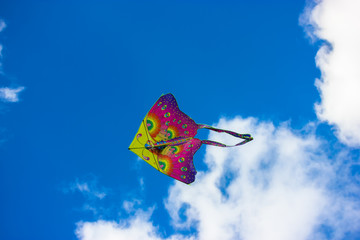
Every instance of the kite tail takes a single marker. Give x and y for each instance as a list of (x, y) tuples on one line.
[(246, 137)]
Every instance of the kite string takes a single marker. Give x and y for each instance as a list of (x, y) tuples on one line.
[(246, 137)]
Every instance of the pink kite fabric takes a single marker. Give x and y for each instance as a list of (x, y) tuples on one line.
[(172, 139)]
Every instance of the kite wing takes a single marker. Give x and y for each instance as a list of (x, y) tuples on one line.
[(177, 161), (137, 146), (165, 121)]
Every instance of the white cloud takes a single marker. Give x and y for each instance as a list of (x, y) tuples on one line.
[(82, 187), (7, 94), (2, 25), (91, 193), (138, 227), (89, 189), (10, 94), (337, 23), (276, 187), (131, 206), (283, 185)]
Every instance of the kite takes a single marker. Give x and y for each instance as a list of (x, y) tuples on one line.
[(166, 140)]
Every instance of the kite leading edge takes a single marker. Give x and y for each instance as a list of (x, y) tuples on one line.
[(166, 140)]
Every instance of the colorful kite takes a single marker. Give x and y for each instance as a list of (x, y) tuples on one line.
[(166, 140)]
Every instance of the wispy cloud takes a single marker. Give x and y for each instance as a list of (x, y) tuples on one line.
[(2, 25), (88, 188), (131, 206), (286, 184), (91, 193), (336, 23), (7, 94), (10, 94)]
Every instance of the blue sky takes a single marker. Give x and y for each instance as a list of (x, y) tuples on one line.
[(77, 78)]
